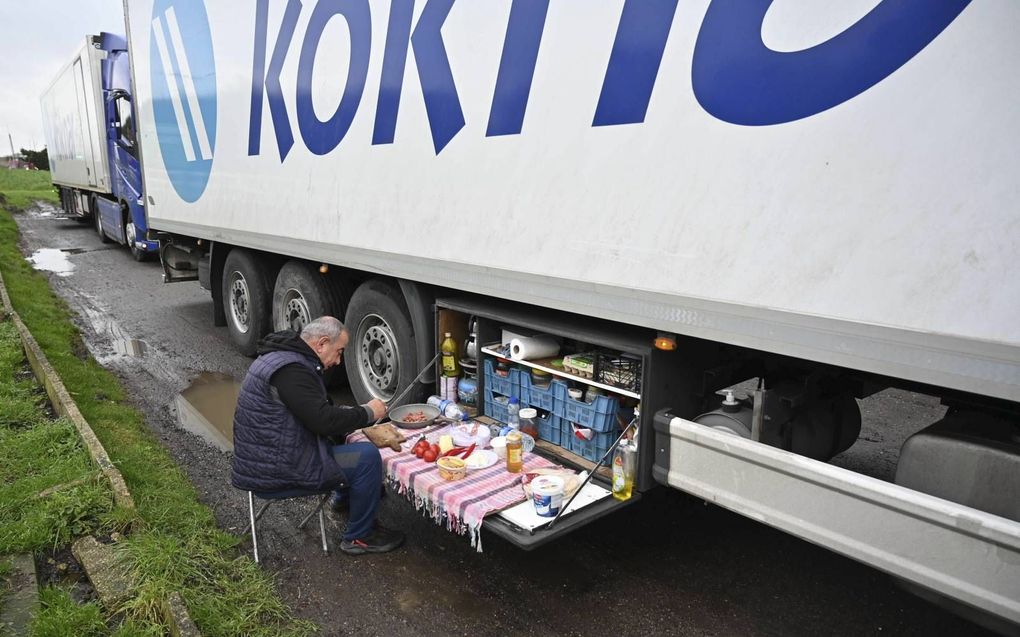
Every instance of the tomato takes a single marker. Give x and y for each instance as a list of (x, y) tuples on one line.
[(420, 451), (434, 448), (430, 455)]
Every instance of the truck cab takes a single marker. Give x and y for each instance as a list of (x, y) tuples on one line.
[(121, 218)]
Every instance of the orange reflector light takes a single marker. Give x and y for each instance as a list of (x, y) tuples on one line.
[(665, 342), (323, 269)]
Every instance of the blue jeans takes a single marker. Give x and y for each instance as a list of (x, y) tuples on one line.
[(362, 465)]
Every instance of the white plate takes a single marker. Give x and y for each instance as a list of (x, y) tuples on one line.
[(484, 457)]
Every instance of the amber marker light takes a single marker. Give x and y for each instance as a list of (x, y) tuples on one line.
[(665, 342), (323, 269)]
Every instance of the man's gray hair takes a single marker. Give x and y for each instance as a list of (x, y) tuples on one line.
[(327, 326)]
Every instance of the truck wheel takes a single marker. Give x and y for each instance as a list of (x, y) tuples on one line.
[(302, 295), (247, 299), (130, 234), (99, 222), (380, 358)]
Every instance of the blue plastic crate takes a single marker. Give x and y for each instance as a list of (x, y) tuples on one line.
[(550, 429), (593, 449), (505, 385), (537, 397), (599, 415), (494, 409)]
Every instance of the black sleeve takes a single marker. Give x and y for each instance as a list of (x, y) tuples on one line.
[(301, 392)]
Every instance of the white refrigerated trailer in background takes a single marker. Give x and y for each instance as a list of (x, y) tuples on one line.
[(73, 120), (823, 196)]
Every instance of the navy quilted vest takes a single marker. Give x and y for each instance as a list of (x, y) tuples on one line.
[(272, 450)]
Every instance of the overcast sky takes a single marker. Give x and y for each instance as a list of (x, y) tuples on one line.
[(38, 38)]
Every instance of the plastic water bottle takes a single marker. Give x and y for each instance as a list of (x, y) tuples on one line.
[(513, 409)]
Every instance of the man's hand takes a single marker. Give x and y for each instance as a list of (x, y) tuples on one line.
[(378, 408)]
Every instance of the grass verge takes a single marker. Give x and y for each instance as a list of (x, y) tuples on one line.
[(177, 546), (20, 188)]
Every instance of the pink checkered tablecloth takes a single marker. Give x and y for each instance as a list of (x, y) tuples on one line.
[(460, 504)]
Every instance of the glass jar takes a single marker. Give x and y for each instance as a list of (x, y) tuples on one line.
[(540, 378), (529, 421), (514, 452)]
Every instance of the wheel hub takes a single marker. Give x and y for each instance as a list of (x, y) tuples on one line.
[(239, 302), (377, 357), (296, 313)]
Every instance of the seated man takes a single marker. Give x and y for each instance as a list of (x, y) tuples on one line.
[(283, 423)]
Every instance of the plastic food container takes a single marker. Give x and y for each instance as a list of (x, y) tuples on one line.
[(576, 394), (462, 436), (547, 494), (451, 468)]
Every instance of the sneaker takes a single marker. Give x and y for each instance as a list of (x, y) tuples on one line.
[(380, 540)]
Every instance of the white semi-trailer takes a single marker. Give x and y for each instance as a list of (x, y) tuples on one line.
[(819, 195)]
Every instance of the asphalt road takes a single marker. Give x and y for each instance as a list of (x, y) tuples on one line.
[(670, 565)]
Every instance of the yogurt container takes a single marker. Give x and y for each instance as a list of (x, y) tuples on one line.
[(547, 494)]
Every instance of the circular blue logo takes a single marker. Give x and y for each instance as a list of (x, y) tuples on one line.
[(184, 93)]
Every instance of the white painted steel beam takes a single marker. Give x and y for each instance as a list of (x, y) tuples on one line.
[(960, 552)]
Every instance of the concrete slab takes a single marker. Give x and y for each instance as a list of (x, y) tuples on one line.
[(22, 602)]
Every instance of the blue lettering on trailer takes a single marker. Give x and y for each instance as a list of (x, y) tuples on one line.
[(739, 80), (270, 80), (183, 75), (321, 137), (517, 67), (735, 77)]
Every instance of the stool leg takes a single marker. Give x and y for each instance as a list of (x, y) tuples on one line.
[(322, 529), (251, 516), (317, 509)]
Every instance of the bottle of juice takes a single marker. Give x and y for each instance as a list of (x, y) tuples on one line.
[(624, 462), (451, 362), (514, 452)]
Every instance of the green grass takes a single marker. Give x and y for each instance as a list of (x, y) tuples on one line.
[(40, 453), (176, 545), (19, 188)]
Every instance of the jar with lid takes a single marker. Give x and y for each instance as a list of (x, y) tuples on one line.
[(514, 452), (540, 378), (529, 421)]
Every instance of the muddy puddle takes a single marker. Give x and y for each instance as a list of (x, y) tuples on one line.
[(130, 347), (52, 260), (206, 408)]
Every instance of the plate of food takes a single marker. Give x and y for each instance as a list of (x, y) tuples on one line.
[(481, 459)]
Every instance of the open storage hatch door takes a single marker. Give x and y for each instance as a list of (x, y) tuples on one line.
[(599, 503), (490, 322)]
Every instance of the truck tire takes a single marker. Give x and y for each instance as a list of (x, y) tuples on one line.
[(380, 358), (97, 215), (130, 233), (302, 295), (247, 297)]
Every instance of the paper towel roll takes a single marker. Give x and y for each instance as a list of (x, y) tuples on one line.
[(533, 347)]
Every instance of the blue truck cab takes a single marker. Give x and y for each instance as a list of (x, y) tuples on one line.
[(121, 217)]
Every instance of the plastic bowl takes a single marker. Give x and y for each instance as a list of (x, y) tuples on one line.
[(451, 468), (499, 446)]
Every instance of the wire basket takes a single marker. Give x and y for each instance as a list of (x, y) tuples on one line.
[(619, 370)]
